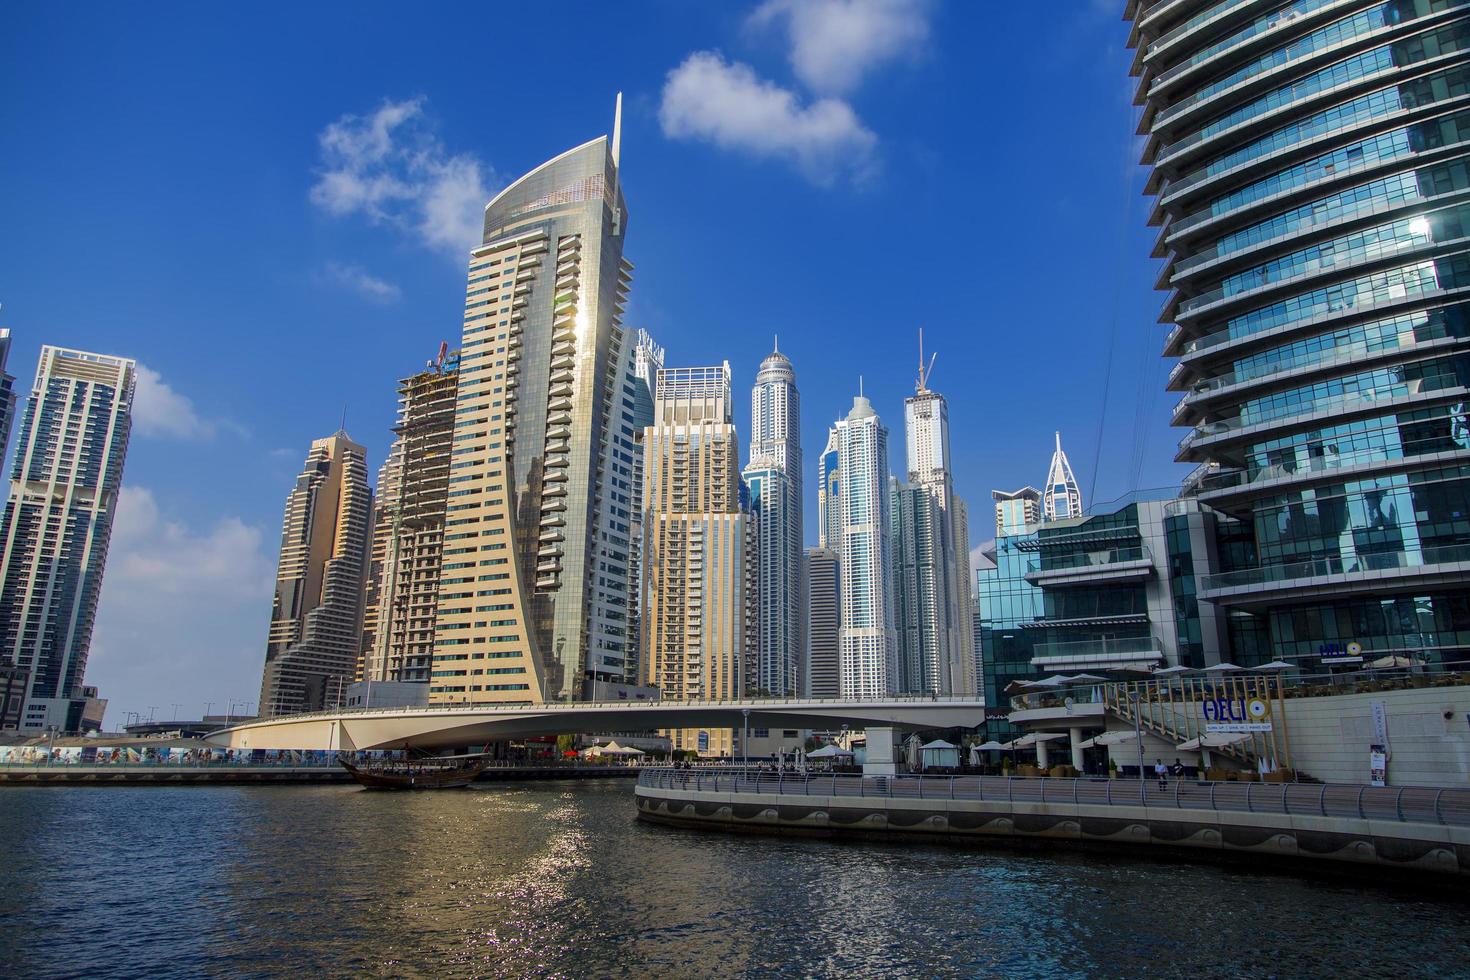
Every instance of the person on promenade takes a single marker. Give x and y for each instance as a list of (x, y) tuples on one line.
[(1162, 772)]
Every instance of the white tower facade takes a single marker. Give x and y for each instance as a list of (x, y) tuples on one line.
[(869, 667), (774, 478), (1062, 498)]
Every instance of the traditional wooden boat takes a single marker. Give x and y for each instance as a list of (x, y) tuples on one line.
[(429, 772)]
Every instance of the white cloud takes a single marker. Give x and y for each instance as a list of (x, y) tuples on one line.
[(184, 613), (978, 559), (362, 282), (835, 43), (709, 99), (158, 410), (391, 168)]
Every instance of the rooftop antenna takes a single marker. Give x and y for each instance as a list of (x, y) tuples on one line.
[(922, 385), (343, 427), (617, 144), (860, 386), (775, 342)]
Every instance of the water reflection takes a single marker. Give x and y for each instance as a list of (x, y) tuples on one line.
[(544, 880)]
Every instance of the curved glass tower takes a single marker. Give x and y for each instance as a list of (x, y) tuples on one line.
[(534, 588), (774, 478), (1311, 168)]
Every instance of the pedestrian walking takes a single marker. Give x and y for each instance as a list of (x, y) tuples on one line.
[(1162, 772)]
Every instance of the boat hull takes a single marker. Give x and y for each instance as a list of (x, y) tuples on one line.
[(415, 779)]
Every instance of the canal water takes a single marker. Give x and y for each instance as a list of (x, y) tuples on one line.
[(542, 880)]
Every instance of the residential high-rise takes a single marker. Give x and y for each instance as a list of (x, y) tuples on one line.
[(829, 514), (1062, 498), (543, 445), (1311, 168), (648, 361), (932, 613), (58, 521), (409, 542), (315, 636), (869, 646), (1016, 510), (697, 629), (774, 478), (824, 621), (7, 392)]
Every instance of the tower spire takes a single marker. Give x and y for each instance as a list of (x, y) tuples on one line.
[(617, 136)]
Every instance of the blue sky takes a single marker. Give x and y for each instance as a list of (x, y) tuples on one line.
[(267, 207)]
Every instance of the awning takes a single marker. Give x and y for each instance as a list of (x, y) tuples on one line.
[(828, 752), (1107, 738), (1214, 740), (1028, 740)]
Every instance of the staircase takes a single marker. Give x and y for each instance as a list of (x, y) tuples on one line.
[(1172, 710)]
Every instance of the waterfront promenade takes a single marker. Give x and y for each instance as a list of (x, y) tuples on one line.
[(256, 774), (1419, 829)]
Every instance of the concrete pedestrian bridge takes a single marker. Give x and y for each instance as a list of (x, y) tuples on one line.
[(443, 726)]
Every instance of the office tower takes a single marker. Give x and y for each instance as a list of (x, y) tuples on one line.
[(824, 624), (409, 540), (1016, 510), (1062, 498), (697, 632), (648, 360), (7, 392), (774, 478), (829, 514), (543, 445), (869, 647), (930, 554), (963, 677), (1310, 164), (315, 636), (58, 521)]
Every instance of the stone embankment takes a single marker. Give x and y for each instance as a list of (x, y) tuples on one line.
[(1422, 830)]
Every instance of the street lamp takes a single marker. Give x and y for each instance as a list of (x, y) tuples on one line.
[(745, 737), (1135, 697)]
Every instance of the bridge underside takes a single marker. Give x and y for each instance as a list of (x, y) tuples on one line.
[(448, 727)]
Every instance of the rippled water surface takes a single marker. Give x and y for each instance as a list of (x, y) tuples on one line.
[(560, 880)]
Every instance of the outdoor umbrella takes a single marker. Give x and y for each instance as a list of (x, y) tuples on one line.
[(1176, 669), (828, 752), (1107, 738), (990, 746), (1394, 661), (1086, 677), (1221, 668), (1275, 665)]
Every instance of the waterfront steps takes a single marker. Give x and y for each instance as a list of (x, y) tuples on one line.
[(165, 774), (1419, 830)]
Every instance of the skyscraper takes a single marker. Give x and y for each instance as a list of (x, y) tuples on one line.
[(824, 621), (697, 627), (829, 513), (1062, 498), (1311, 164), (7, 392), (58, 522), (542, 469), (648, 361), (930, 557), (1016, 510), (868, 644), (408, 527), (774, 478), (315, 636)]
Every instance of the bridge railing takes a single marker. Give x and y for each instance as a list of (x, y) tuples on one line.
[(507, 707), (1449, 806)]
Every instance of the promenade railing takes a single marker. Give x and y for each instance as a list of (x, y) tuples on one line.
[(1448, 806)]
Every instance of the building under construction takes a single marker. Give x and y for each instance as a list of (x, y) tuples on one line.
[(408, 528)]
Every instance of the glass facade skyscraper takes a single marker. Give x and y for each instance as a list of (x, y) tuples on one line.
[(774, 478), (1311, 169), (58, 522), (542, 486)]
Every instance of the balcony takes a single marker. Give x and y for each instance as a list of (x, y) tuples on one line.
[(1338, 575), (1096, 567), (1103, 654)]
